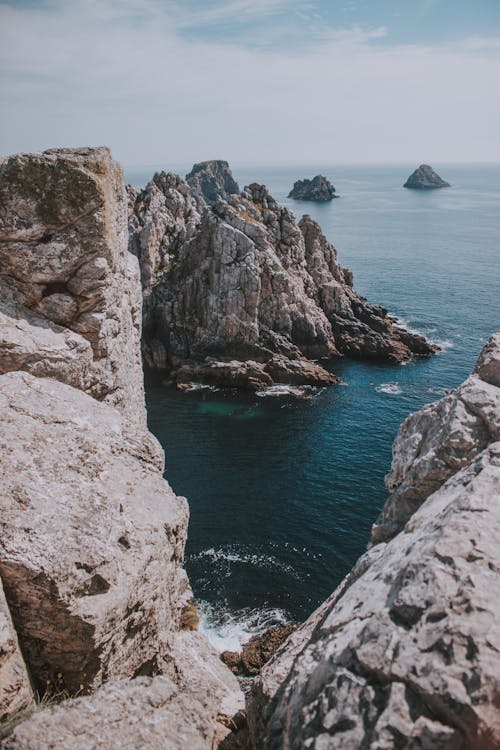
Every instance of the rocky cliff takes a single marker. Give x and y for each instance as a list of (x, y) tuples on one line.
[(425, 178), (243, 295), (405, 653), (91, 536), (318, 189)]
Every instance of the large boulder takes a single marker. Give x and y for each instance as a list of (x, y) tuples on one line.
[(92, 537), (70, 304), (146, 713), (15, 688), (425, 178), (318, 189), (434, 443), (405, 653)]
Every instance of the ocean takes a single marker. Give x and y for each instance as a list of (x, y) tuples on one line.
[(283, 493)]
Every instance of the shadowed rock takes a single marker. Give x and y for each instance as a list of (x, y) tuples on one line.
[(211, 180), (318, 189), (425, 178)]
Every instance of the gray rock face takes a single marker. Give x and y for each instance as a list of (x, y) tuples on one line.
[(211, 180), (92, 536), (405, 654), (425, 178), (146, 713), (437, 441), (70, 300), (253, 286), (15, 687), (318, 189)]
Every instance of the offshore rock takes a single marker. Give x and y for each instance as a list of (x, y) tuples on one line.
[(70, 298), (318, 189), (253, 286), (15, 688), (425, 178), (211, 180), (147, 713), (405, 653), (92, 537), (437, 441)]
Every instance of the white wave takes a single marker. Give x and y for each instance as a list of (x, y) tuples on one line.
[(198, 387), (228, 631), (235, 555), (444, 344), (274, 391), (394, 389)]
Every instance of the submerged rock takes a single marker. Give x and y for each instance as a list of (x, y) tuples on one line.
[(211, 180), (425, 178), (248, 285), (318, 189), (405, 653)]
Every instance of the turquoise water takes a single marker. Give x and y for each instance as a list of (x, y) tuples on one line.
[(283, 493)]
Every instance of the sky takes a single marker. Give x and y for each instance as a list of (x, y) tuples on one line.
[(253, 81)]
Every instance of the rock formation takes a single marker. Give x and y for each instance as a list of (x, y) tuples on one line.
[(211, 180), (70, 304), (318, 189), (15, 689), (405, 653), (91, 536), (257, 652), (248, 296), (425, 178)]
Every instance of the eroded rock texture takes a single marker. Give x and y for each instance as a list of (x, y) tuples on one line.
[(92, 537), (318, 189), (425, 178), (70, 301), (211, 180), (406, 652), (248, 287), (146, 713), (15, 689), (437, 441)]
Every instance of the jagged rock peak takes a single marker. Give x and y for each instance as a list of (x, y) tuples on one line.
[(318, 189), (211, 180), (405, 652), (425, 178)]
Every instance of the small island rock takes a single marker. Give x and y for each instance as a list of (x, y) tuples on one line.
[(318, 189), (425, 178)]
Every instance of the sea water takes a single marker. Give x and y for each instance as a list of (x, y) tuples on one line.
[(283, 492)]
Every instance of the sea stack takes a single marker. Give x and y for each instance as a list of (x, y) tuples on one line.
[(425, 178), (318, 189)]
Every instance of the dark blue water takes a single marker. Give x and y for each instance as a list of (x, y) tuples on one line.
[(283, 493)]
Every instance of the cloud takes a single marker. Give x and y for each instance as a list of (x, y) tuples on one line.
[(124, 73)]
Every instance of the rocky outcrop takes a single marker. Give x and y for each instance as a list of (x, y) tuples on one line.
[(261, 295), (91, 536), (211, 180), (257, 652), (70, 304), (425, 178), (147, 713), (318, 189), (405, 653), (15, 688)]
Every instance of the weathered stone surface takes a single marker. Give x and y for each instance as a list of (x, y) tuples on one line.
[(425, 178), (211, 180), (71, 288), (318, 189), (253, 286), (146, 713), (406, 652), (15, 688), (437, 441), (91, 536), (258, 651)]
